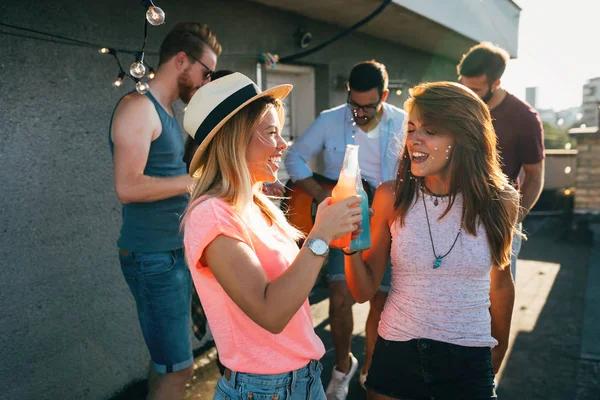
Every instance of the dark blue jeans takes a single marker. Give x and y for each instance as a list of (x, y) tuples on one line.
[(424, 369)]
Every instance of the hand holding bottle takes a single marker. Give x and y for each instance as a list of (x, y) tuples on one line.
[(334, 221)]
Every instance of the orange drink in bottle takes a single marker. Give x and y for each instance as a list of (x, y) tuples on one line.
[(346, 187)]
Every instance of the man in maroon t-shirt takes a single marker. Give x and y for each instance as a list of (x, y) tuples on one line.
[(518, 126)]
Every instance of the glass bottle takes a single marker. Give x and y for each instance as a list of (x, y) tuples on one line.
[(363, 241), (346, 187)]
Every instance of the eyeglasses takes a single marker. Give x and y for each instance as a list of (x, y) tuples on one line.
[(368, 109), (208, 72)]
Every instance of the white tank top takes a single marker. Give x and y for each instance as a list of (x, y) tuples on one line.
[(451, 303)]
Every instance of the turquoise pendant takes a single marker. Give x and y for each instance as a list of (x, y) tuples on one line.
[(438, 262)]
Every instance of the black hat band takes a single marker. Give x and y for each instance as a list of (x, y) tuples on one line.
[(220, 112)]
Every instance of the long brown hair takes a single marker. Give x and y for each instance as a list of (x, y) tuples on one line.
[(474, 164), (223, 170)]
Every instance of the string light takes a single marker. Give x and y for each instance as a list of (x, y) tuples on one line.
[(155, 15), (141, 87), (141, 66), (137, 69), (119, 81)]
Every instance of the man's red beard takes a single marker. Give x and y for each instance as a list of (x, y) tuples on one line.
[(185, 86)]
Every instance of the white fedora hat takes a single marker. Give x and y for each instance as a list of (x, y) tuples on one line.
[(216, 102)]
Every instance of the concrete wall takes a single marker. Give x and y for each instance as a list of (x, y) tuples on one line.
[(68, 327)]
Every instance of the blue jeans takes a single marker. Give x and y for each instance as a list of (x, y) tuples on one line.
[(161, 285), (515, 250), (302, 384)]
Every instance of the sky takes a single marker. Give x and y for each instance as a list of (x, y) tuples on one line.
[(558, 51)]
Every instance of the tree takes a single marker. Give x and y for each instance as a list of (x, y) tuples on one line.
[(554, 137)]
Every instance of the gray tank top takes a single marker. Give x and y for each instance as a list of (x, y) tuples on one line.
[(154, 227), (450, 303)]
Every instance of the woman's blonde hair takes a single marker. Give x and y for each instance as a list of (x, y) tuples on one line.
[(474, 164), (223, 170)]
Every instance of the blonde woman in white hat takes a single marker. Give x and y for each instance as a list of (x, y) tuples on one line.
[(251, 277)]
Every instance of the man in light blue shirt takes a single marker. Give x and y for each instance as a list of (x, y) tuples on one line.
[(378, 128)]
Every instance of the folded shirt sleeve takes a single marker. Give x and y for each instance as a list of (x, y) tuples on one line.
[(207, 220)]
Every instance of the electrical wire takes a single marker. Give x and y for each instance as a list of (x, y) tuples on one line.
[(51, 37), (340, 35), (145, 36), (38, 35), (42, 39), (80, 43), (120, 66), (35, 34), (29, 30)]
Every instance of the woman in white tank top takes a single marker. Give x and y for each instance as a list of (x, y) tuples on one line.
[(448, 221)]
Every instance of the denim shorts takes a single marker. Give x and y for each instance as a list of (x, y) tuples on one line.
[(162, 288), (302, 384), (334, 266), (515, 250), (424, 369)]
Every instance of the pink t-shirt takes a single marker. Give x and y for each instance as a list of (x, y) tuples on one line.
[(242, 344)]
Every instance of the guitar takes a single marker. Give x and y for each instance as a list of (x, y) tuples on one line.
[(301, 208)]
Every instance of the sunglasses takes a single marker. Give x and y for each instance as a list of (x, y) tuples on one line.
[(208, 72)]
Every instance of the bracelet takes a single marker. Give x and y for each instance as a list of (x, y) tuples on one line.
[(351, 251)]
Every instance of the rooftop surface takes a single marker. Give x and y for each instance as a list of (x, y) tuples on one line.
[(554, 351)]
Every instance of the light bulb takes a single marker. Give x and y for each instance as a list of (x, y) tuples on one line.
[(104, 50), (151, 74), (119, 81), (155, 15), (137, 69), (142, 87)]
